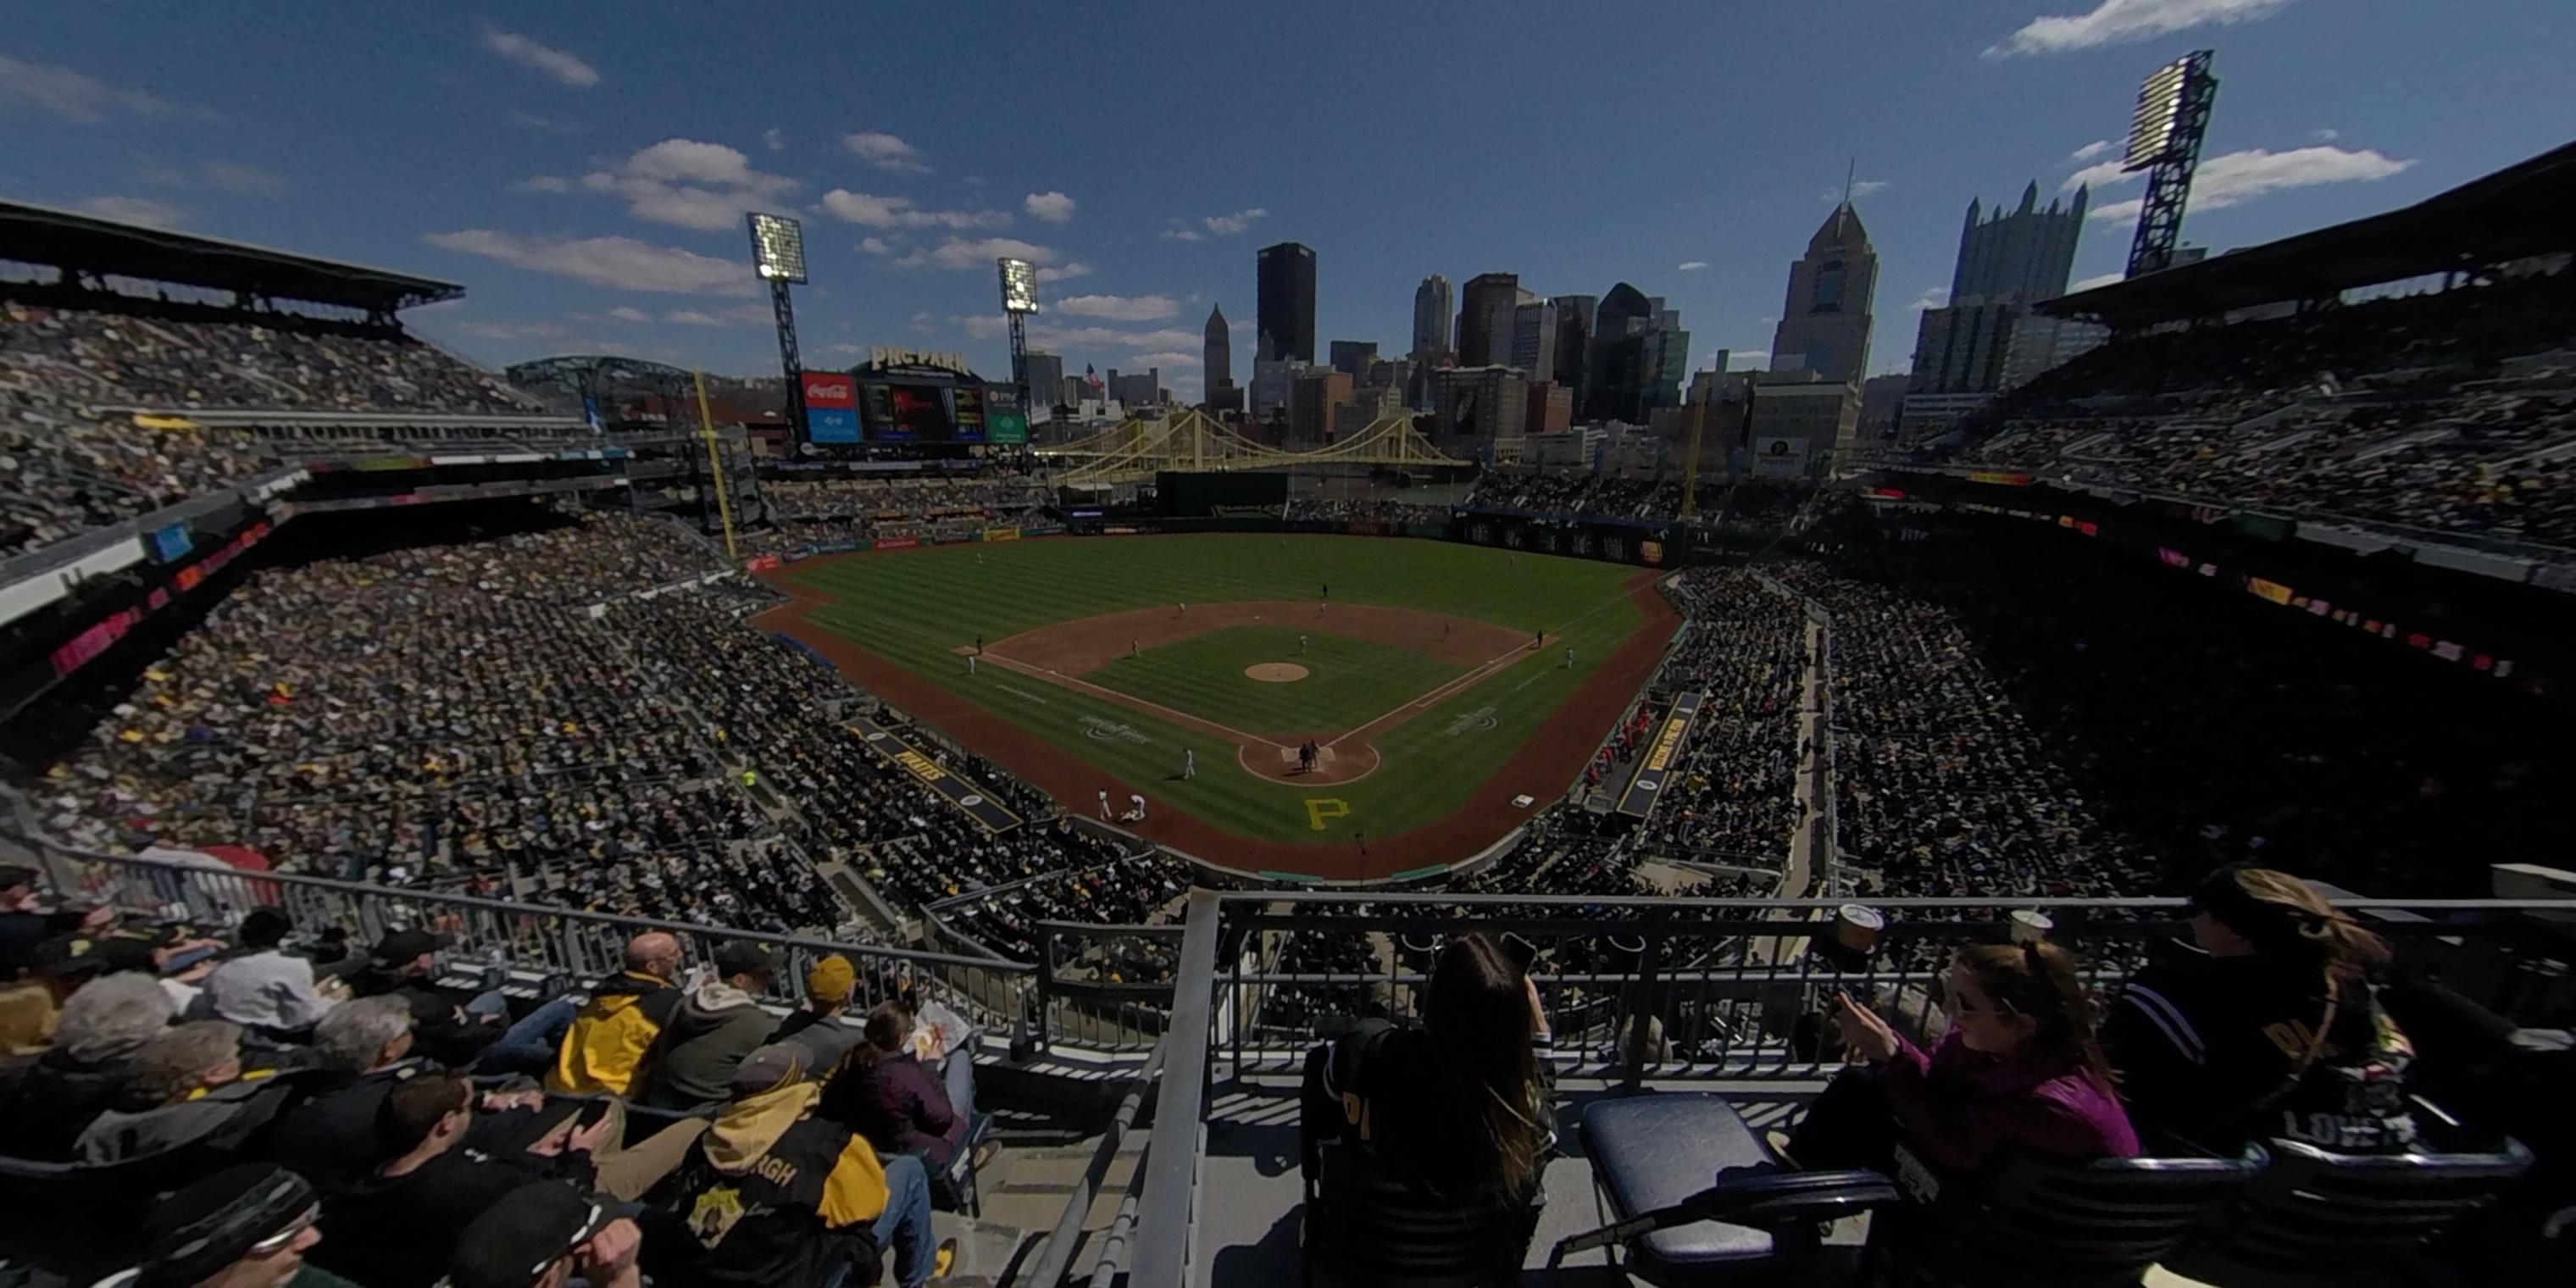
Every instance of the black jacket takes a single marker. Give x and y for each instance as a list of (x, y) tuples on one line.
[(330, 1139), (57, 1098), (2220, 1051), (398, 1232)]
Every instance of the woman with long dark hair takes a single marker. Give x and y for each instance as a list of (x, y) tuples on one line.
[(2268, 1027), (884, 1092), (2017, 1073), (1460, 1104)]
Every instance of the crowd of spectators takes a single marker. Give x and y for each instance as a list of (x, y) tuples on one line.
[(445, 715), (1734, 788), (1366, 509), (2446, 410), (403, 1126), (809, 512), (74, 371), (1750, 504)]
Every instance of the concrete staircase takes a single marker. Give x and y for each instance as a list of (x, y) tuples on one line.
[(1025, 1190)]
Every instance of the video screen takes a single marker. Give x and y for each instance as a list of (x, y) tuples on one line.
[(910, 413)]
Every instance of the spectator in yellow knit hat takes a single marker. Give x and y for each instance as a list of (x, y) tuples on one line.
[(817, 1025)]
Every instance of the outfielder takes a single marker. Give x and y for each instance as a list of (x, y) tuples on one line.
[(1189, 763)]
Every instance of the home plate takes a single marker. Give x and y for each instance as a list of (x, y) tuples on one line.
[(1323, 755)]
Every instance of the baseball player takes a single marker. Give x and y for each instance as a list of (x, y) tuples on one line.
[(1301, 646), (1104, 805), (1134, 649), (1136, 799), (1189, 763), (970, 664), (1569, 658)]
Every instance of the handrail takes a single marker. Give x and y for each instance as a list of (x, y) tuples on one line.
[(1169, 1205), (1055, 1255)]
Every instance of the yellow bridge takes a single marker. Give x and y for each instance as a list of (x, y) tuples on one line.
[(1134, 450)]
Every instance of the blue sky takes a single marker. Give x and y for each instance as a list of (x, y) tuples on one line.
[(581, 167)]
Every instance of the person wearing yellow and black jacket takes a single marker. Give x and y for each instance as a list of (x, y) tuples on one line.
[(778, 1198), (604, 1049)]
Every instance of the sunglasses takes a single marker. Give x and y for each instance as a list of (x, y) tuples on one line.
[(278, 1242)]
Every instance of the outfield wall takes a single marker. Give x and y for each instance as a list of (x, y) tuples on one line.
[(1645, 545)]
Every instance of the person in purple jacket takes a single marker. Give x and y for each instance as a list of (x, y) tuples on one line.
[(886, 1094), (2018, 1073)]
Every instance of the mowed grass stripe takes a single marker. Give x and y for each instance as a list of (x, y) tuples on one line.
[(1350, 681), (915, 608)]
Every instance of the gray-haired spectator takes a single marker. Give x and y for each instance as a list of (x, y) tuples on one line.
[(104, 1024), (186, 1092), (364, 1047)]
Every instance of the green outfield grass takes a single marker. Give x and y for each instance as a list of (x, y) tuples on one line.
[(917, 607), (1348, 683)]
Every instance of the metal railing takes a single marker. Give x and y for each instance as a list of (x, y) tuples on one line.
[(559, 947), (1699, 989)]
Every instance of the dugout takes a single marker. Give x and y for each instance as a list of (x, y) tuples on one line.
[(1221, 494)]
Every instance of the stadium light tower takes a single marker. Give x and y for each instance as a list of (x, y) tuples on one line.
[(2164, 140), (778, 254), (1019, 300)]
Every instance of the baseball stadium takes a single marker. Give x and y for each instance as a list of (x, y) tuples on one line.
[(876, 821)]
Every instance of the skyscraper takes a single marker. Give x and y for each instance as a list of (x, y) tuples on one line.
[(1574, 344), (2025, 256), (1534, 340), (1824, 321), (1489, 297), (1621, 367), (1219, 350), (1431, 305), (1352, 358), (1285, 313), (2006, 263), (1046, 378)]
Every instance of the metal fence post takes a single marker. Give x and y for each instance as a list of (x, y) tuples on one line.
[(1636, 1043)]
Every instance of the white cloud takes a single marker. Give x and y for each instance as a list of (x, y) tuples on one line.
[(2100, 175), (1063, 272), (2099, 279), (1178, 233), (960, 253), (2239, 177), (542, 183), (243, 178), (773, 139), (1859, 189), (629, 313), (1120, 308), (549, 124), (563, 67), (689, 184), (1166, 358), (621, 262), (900, 212), (62, 92), (2118, 22), (511, 330), (740, 315), (844, 347), (2098, 147), (875, 246), (1229, 225), (1693, 265), (1053, 207), (134, 210), (1747, 359), (885, 151), (2325, 136), (1933, 297), (1059, 339)]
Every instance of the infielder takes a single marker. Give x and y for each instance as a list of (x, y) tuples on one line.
[(1301, 646)]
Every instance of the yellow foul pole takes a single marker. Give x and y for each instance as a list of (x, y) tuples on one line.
[(715, 464)]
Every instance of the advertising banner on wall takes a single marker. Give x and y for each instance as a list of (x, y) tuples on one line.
[(1779, 458), (1009, 427), (831, 406)]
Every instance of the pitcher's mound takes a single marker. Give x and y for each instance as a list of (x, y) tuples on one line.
[(1275, 672)]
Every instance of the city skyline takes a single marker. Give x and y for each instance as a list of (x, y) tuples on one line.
[(582, 171)]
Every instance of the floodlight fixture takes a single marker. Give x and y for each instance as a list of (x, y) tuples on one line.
[(2160, 116), (777, 248), (1019, 286)]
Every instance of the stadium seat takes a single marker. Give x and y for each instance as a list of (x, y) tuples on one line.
[(1654, 1159), (2317, 1217), (1364, 1225), (2029, 1221)]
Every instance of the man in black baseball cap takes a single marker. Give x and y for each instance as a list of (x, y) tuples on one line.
[(540, 1236), (721, 1021), (242, 1227)]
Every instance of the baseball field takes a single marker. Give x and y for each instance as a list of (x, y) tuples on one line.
[(1324, 706)]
